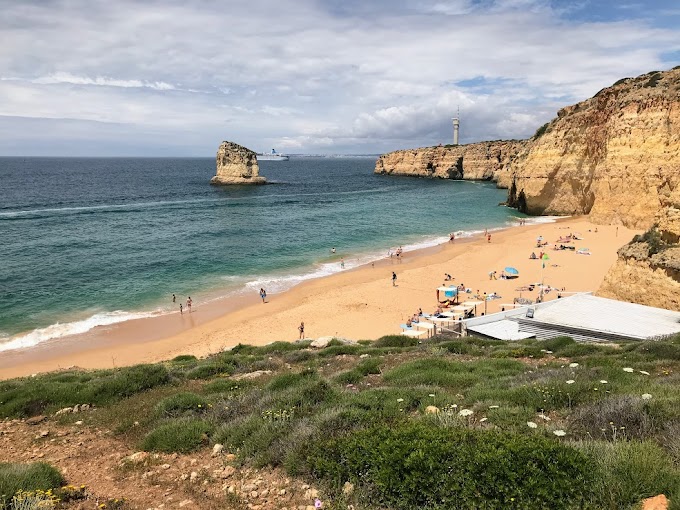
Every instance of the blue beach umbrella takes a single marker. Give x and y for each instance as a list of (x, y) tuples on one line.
[(511, 271)]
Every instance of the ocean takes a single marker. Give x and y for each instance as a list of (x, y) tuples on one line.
[(95, 241)]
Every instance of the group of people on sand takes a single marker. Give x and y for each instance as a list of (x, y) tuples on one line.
[(181, 308), (397, 253)]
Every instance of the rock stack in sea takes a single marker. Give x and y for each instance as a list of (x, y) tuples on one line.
[(236, 165)]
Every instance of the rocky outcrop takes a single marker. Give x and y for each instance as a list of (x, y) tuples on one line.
[(236, 165), (648, 268), (614, 156), (477, 161)]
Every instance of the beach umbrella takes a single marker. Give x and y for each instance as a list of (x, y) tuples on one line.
[(511, 271)]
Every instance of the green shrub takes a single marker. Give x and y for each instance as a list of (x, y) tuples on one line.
[(180, 436), (184, 358), (181, 403), (369, 366), (298, 356), (395, 341), (541, 131), (129, 381), (228, 386), (16, 477), (212, 368), (660, 350), (253, 436), (460, 346), (350, 377), (32, 396), (338, 350), (288, 380), (627, 472), (555, 344), (419, 466)]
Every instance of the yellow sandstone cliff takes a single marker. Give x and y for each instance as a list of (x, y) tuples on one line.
[(476, 161), (614, 156)]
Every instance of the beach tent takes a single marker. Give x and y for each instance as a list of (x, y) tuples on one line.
[(472, 303), (449, 293)]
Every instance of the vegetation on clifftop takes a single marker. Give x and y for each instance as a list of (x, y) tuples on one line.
[(447, 423)]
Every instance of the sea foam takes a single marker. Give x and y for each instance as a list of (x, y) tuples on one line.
[(60, 330)]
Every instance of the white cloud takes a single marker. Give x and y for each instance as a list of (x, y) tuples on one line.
[(102, 81), (310, 74)]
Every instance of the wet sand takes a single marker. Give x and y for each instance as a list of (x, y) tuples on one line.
[(358, 304)]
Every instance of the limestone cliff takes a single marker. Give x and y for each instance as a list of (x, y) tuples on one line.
[(614, 156), (477, 161), (236, 165), (648, 269)]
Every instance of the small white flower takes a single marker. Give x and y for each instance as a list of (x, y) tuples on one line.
[(465, 412), (432, 395), (602, 381), (454, 406), (494, 407), (643, 372), (571, 381), (559, 433), (531, 425), (629, 370), (543, 416), (548, 352), (573, 365), (483, 420), (646, 396), (400, 400)]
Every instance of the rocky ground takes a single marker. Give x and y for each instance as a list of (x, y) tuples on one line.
[(110, 471)]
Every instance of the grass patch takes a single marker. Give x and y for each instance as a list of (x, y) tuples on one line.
[(627, 472), (451, 374), (30, 397), (16, 477), (180, 404), (180, 436)]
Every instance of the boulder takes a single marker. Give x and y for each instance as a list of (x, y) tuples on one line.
[(659, 502), (217, 449), (236, 165)]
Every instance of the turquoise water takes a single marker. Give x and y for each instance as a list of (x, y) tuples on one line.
[(95, 241)]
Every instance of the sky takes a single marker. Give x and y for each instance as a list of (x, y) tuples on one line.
[(175, 78)]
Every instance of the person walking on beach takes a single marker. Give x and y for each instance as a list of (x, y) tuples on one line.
[(342, 263), (394, 279), (488, 238), (263, 294), (181, 310), (174, 298), (301, 329), (189, 302)]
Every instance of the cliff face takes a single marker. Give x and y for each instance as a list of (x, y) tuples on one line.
[(648, 269), (614, 156), (236, 165), (477, 161)]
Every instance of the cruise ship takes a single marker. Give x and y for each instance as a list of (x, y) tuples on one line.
[(274, 156)]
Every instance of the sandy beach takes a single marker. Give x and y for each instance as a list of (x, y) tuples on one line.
[(357, 304)]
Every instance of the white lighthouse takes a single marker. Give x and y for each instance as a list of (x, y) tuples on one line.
[(456, 126)]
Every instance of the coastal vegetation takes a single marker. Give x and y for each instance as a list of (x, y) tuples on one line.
[(444, 423)]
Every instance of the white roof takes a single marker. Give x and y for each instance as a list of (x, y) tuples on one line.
[(586, 311), (503, 330)]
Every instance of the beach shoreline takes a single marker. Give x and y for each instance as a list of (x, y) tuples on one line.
[(358, 303)]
